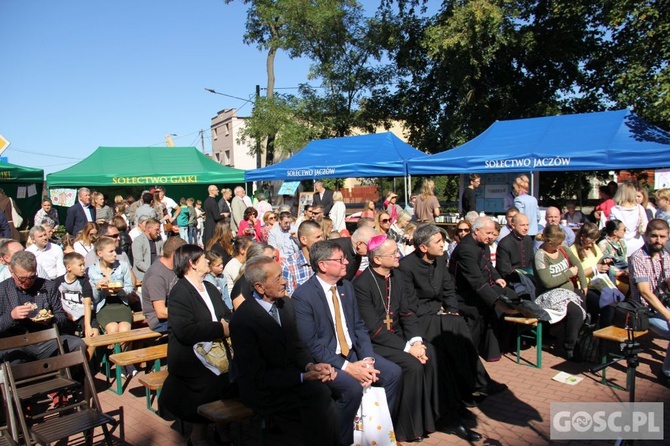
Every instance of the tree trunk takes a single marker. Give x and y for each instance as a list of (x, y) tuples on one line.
[(270, 65)]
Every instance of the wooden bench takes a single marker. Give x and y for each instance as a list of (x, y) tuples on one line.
[(116, 339), (618, 335), (154, 353), (526, 325), (153, 382), (227, 412)]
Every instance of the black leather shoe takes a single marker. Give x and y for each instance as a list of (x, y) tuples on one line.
[(493, 388), (464, 432)]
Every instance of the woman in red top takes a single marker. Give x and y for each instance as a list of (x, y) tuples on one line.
[(251, 225), (605, 206)]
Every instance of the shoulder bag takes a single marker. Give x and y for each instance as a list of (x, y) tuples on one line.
[(16, 217), (631, 314)]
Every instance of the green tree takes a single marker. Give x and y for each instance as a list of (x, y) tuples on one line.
[(293, 26), (631, 67), (474, 62)]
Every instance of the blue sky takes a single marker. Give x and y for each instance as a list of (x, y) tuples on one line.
[(80, 74)]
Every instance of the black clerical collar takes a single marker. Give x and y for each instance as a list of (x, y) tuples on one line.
[(518, 236), (390, 274)]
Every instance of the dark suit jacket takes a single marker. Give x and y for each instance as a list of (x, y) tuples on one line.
[(326, 201), (316, 327), (269, 357), (191, 322), (353, 258), (76, 218), (473, 273), (212, 216)]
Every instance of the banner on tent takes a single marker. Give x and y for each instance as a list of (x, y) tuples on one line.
[(173, 179), (310, 172), (528, 162)]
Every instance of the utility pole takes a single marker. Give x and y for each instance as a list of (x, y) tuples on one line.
[(258, 140)]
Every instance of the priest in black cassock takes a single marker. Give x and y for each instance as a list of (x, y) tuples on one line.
[(426, 271), (395, 334)]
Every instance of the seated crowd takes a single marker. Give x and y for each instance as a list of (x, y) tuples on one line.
[(315, 315)]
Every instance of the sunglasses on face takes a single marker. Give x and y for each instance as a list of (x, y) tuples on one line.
[(465, 230), (384, 220)]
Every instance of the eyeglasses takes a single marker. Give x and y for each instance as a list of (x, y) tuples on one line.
[(272, 217), (25, 279), (316, 213), (466, 230), (113, 235), (392, 254), (342, 260), (384, 220)]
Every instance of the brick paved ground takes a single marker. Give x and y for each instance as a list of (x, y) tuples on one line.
[(519, 416)]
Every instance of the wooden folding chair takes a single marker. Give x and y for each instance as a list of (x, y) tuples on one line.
[(37, 388), (77, 413)]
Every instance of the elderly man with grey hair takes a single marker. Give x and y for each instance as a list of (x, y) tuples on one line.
[(237, 207), (80, 213), (49, 255), (480, 286), (355, 248), (24, 296)]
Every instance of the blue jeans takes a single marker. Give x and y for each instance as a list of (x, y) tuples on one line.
[(183, 233), (662, 328), (193, 235)]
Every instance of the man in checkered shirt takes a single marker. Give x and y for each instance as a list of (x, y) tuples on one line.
[(650, 273), (297, 269)]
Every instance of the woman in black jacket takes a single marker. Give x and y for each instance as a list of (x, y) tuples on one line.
[(197, 314)]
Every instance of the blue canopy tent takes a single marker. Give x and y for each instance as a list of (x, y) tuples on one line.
[(375, 155), (589, 141), (364, 156)]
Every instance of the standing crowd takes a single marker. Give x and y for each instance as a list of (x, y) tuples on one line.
[(311, 315)]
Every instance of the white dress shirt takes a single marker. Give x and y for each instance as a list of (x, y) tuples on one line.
[(50, 258)]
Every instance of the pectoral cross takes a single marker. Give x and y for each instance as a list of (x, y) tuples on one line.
[(388, 321)]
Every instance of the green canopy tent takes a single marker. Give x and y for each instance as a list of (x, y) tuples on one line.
[(182, 171), (13, 177)]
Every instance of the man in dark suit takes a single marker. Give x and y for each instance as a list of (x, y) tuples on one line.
[(277, 376), (323, 197), (80, 213), (354, 248), (331, 327), (479, 286)]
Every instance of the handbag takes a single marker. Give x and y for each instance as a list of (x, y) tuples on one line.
[(16, 217), (631, 314), (601, 281), (373, 424), (587, 347), (215, 355)]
